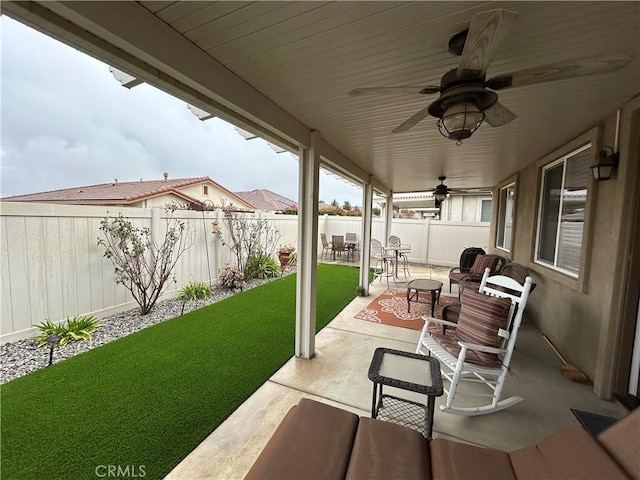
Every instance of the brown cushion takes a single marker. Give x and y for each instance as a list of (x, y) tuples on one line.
[(451, 345), (484, 261), (570, 453), (481, 316), (452, 460), (622, 441), (313, 441), (384, 451)]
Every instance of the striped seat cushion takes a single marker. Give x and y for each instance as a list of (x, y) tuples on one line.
[(483, 261), (481, 316), (451, 345)]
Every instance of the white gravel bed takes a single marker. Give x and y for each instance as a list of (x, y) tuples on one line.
[(23, 356)]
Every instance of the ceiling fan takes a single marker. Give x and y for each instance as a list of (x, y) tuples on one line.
[(467, 98), (441, 191)]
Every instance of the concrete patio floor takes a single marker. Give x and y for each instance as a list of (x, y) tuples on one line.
[(337, 375)]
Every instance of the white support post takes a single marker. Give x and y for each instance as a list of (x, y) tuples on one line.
[(388, 218), (365, 234), (308, 184)]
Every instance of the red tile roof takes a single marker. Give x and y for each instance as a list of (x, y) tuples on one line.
[(266, 200), (117, 193)]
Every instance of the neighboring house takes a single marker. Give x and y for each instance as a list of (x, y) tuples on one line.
[(143, 194), (458, 207), (266, 200)]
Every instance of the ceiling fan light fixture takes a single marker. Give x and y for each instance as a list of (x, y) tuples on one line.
[(440, 196), (460, 120)]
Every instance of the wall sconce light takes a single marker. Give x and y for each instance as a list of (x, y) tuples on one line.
[(603, 168), (215, 228)]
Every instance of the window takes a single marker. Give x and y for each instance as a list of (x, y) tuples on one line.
[(506, 202), (563, 201), (485, 210), (205, 190)]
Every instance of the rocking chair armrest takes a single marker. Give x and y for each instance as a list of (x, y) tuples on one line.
[(481, 348), (429, 319)]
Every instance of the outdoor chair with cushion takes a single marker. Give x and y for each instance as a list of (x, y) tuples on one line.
[(467, 257), (493, 262), (477, 353), (512, 270), (517, 272)]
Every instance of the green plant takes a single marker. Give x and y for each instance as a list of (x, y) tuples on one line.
[(292, 210), (261, 266), (286, 250), (196, 291), (230, 276), (143, 264), (80, 327), (293, 259), (248, 235)]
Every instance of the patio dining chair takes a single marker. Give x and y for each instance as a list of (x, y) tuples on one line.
[(337, 245), (476, 352), (352, 243), (326, 245)]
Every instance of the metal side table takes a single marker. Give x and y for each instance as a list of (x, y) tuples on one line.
[(407, 371)]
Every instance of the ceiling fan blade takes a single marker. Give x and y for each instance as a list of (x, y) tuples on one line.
[(558, 71), (486, 33), (498, 115), (412, 121), (387, 90)]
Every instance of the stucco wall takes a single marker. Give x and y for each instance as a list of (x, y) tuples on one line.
[(580, 316), (462, 208), (215, 194)]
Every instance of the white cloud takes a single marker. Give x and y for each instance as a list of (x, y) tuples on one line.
[(67, 122)]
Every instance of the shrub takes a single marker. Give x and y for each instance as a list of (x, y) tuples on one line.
[(142, 264), (262, 266), (292, 210), (230, 276), (331, 210), (293, 259), (247, 235), (80, 327), (195, 291)]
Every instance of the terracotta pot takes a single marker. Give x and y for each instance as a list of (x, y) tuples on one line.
[(284, 259)]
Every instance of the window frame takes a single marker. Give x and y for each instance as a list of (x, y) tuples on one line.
[(548, 165), (481, 200), (499, 213)]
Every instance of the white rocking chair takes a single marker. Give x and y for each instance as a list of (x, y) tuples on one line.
[(479, 362)]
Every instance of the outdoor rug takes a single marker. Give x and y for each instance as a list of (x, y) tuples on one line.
[(390, 308)]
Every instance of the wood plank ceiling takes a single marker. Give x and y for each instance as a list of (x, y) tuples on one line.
[(306, 56)]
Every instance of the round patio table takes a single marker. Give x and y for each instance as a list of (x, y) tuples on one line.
[(414, 287)]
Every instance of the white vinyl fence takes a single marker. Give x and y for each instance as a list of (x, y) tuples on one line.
[(52, 267)]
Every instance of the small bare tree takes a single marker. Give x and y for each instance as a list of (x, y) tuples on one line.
[(143, 265), (249, 235)]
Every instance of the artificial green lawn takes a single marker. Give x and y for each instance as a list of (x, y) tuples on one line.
[(150, 398)]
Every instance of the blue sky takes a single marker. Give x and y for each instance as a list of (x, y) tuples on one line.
[(67, 122)]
